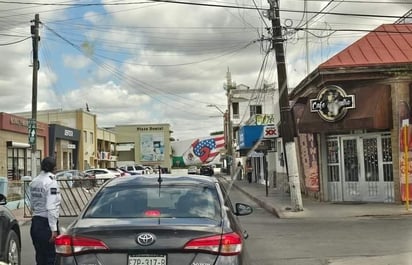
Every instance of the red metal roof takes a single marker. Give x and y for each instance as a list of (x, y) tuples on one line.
[(387, 44)]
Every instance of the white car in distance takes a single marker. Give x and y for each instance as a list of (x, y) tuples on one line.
[(102, 173), (135, 169)]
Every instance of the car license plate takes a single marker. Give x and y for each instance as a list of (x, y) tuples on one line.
[(147, 260)]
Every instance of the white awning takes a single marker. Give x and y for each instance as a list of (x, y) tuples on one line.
[(17, 144)]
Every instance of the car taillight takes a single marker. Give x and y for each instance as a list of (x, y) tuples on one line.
[(228, 244), (67, 245), (152, 213)]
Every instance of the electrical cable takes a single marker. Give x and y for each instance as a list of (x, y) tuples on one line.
[(121, 75), (14, 42)]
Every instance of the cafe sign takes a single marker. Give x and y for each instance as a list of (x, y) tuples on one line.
[(332, 103)]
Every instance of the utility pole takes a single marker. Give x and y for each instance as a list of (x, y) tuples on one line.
[(230, 154), (287, 126), (33, 122)]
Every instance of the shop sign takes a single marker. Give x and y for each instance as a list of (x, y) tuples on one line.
[(332, 103), (71, 146), (270, 132), (68, 133), (263, 119)]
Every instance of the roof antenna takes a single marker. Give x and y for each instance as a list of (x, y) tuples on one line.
[(160, 180)]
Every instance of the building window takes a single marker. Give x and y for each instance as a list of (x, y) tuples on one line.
[(255, 109), (235, 110), (19, 163), (16, 167), (91, 137)]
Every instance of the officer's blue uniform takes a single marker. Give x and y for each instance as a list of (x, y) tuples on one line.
[(45, 204)]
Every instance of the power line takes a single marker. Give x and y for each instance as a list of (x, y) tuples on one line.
[(126, 78), (361, 2), (14, 42)]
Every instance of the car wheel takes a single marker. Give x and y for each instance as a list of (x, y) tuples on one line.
[(13, 251)]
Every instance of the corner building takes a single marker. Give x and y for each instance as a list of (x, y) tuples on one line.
[(74, 137), (350, 113)]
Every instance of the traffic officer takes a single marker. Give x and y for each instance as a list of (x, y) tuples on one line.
[(45, 204)]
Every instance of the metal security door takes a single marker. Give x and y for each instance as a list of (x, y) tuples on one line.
[(371, 189), (333, 169), (377, 174), (351, 169), (360, 168)]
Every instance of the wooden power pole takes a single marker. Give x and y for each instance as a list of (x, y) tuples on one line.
[(287, 123), (33, 121)]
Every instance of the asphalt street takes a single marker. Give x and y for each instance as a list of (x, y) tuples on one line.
[(366, 240)]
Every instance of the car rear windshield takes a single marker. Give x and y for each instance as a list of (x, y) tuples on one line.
[(155, 202)]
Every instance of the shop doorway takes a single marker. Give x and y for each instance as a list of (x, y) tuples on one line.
[(360, 168)]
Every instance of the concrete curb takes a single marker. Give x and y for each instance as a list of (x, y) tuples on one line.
[(261, 203)]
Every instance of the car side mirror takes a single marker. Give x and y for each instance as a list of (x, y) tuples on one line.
[(3, 199), (243, 209)]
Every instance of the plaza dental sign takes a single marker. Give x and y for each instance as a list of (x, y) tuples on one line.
[(332, 103)]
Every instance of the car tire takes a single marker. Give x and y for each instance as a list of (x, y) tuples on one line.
[(13, 249)]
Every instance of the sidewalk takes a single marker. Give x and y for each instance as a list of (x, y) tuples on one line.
[(279, 204)]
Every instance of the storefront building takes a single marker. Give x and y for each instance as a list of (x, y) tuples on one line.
[(257, 146), (64, 144), (15, 149), (349, 113), (83, 121)]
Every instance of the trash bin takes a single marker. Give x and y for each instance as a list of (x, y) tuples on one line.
[(3, 186)]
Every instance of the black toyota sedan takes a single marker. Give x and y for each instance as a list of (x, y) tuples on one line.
[(167, 220), (10, 247)]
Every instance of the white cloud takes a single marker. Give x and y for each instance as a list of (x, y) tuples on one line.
[(162, 62), (76, 62)]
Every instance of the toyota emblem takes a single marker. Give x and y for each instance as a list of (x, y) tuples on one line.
[(145, 239)]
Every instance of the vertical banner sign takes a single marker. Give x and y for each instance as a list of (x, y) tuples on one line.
[(32, 132), (309, 157), (406, 164), (405, 152), (406, 141)]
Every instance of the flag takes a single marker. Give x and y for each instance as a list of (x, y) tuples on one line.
[(204, 150)]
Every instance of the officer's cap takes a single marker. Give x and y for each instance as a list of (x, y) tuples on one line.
[(48, 164)]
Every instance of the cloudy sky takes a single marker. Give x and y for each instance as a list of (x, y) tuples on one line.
[(143, 62)]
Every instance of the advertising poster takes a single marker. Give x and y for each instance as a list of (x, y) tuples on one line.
[(309, 157), (405, 147), (152, 147), (198, 151)]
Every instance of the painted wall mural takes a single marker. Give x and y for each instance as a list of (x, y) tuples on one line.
[(198, 151)]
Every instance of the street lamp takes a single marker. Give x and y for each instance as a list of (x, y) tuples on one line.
[(226, 131), (224, 118), (214, 105)]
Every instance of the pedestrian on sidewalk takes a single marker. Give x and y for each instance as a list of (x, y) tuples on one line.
[(45, 205), (240, 170), (249, 170)]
